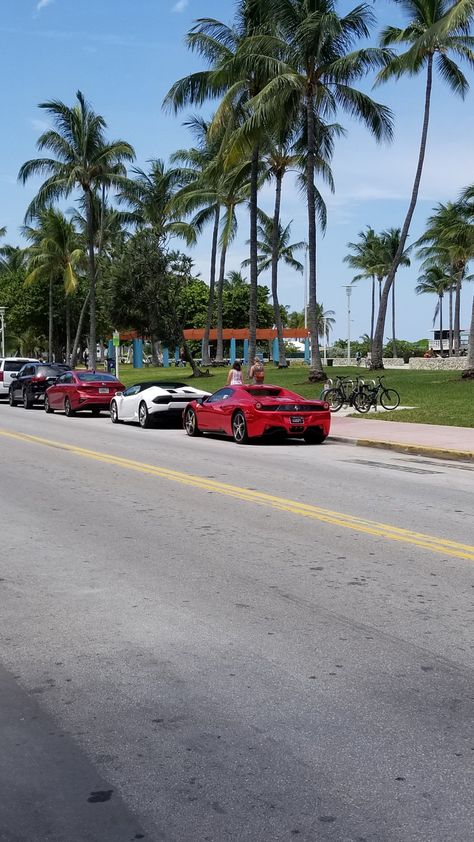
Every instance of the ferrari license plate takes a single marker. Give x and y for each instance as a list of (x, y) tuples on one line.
[(296, 419), (103, 391)]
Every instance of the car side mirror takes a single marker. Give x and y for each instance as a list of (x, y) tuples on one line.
[(13, 376), (118, 394)]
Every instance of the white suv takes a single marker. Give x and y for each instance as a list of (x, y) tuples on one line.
[(9, 366)]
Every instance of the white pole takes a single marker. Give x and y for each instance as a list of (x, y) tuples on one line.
[(117, 362), (325, 342), (2, 314), (348, 293)]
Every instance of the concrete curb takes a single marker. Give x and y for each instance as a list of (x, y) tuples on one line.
[(414, 449)]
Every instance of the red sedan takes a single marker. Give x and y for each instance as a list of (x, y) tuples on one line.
[(78, 390), (245, 412)]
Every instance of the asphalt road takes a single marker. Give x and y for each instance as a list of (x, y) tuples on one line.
[(252, 653)]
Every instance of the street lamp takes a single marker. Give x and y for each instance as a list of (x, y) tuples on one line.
[(305, 285), (348, 289), (325, 348), (2, 326)]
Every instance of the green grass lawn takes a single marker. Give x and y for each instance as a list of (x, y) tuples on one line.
[(440, 397)]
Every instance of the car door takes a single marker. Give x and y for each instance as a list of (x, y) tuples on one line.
[(23, 377), (214, 413), (56, 392), (128, 409)]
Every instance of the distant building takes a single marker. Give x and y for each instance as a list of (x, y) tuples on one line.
[(435, 343)]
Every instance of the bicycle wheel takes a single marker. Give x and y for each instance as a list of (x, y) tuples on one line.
[(389, 399), (362, 401), (335, 399)]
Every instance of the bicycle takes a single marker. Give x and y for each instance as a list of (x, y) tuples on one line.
[(369, 396), (344, 393)]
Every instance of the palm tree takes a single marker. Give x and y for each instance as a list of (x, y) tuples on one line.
[(198, 172), (449, 238), (390, 242), (468, 199), (274, 246), (237, 81), (435, 281), (55, 254), (313, 79), (366, 258), (83, 160), (325, 321), (434, 31)]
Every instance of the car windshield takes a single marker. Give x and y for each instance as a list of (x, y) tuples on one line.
[(164, 384), (94, 377), (14, 365), (264, 393), (48, 371)]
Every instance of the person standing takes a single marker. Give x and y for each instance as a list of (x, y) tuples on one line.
[(257, 371), (234, 377)]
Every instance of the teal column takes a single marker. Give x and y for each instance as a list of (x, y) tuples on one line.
[(275, 351), (137, 353), (176, 355), (306, 350), (246, 351), (111, 350), (166, 358), (233, 351)]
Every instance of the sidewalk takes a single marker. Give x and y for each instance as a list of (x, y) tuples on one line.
[(422, 439)]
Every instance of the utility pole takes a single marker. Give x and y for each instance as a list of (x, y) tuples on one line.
[(306, 285), (325, 341)]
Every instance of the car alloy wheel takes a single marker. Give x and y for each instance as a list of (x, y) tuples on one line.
[(47, 407), (190, 423), (11, 399), (239, 428), (114, 417), (68, 410), (27, 403), (143, 417)]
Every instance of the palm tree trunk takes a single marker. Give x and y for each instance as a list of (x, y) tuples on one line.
[(377, 344), (457, 313), (380, 280), (220, 290), (316, 368), (77, 337), (394, 341), (450, 321), (188, 356), (68, 329), (441, 347), (92, 281), (469, 372), (212, 285), (253, 254), (50, 322), (276, 304), (372, 312)]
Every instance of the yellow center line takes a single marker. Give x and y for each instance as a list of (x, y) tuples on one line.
[(346, 521)]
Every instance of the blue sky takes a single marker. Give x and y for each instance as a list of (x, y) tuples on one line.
[(125, 55)]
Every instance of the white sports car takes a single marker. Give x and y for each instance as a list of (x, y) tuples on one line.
[(147, 402)]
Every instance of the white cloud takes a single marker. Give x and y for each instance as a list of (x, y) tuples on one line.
[(42, 4), (179, 7)]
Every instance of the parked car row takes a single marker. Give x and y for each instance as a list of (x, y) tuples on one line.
[(240, 412)]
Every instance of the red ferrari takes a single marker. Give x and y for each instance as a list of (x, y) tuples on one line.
[(78, 390), (245, 412)]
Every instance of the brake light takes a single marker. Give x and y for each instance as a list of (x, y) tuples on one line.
[(38, 378), (1, 376), (258, 405)]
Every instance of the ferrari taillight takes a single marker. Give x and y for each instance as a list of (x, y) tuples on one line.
[(326, 406), (258, 405)]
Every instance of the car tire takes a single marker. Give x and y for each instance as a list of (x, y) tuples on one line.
[(47, 407), (314, 437), (143, 416), (114, 416), (239, 428), (190, 423), (96, 413), (11, 399), (68, 410), (27, 402)]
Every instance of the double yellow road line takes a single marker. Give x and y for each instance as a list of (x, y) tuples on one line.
[(356, 524)]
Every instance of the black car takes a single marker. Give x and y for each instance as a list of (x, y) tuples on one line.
[(29, 385)]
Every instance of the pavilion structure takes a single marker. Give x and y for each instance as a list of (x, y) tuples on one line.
[(228, 335)]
